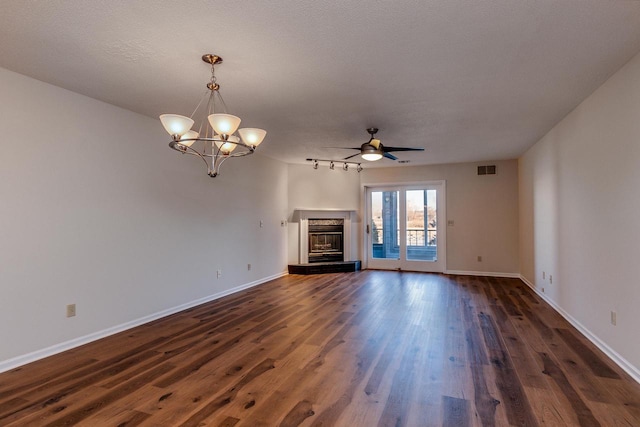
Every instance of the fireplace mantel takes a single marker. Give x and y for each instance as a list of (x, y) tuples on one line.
[(302, 217)]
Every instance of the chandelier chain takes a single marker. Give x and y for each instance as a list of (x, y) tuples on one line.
[(213, 75)]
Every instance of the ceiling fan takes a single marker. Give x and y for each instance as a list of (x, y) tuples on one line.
[(373, 149)]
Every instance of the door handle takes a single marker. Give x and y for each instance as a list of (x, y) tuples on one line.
[(367, 228)]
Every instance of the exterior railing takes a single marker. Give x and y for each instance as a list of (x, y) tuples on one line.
[(415, 236)]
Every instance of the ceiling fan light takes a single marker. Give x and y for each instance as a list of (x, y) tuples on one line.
[(370, 153), (176, 124), (252, 136), (372, 157), (224, 124)]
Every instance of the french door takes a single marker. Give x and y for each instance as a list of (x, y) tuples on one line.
[(406, 227)]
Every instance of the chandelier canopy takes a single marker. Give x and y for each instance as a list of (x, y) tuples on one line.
[(217, 142)]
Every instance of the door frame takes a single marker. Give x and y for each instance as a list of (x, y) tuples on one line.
[(403, 186)]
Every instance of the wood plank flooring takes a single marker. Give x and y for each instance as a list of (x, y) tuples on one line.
[(370, 348)]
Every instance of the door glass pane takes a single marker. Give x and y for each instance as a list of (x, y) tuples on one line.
[(385, 236), (421, 225)]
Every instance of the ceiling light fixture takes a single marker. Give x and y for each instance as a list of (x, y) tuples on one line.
[(371, 150), (215, 143), (332, 166)]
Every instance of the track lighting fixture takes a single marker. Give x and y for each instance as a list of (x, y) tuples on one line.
[(332, 164)]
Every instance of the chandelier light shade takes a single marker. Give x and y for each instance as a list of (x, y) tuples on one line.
[(176, 124), (189, 138), (215, 140), (224, 124), (252, 136), (229, 146)]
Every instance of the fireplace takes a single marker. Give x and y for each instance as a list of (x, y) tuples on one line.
[(326, 239), (339, 221)]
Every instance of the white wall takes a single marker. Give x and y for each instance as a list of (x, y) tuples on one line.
[(484, 210), (580, 213), (97, 210), (322, 188)]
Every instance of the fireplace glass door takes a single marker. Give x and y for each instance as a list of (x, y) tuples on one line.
[(326, 240)]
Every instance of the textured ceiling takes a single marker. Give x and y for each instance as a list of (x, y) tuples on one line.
[(468, 80)]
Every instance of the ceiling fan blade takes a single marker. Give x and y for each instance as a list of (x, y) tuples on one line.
[(386, 149), (390, 156), (353, 155)]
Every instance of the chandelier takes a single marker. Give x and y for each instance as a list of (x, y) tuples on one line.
[(215, 143)]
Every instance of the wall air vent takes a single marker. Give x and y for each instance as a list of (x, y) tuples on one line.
[(487, 170)]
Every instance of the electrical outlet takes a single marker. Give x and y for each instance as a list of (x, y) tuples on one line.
[(550, 279), (219, 274), (261, 223), (248, 267), (544, 275), (543, 290), (614, 318), (71, 310), (450, 223), (479, 258)]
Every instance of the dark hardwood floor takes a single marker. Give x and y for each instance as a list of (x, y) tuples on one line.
[(368, 348)]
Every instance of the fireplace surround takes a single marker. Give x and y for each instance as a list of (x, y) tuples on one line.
[(305, 217)]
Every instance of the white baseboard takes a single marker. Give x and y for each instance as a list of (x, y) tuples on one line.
[(633, 371), (17, 361), (482, 273)]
